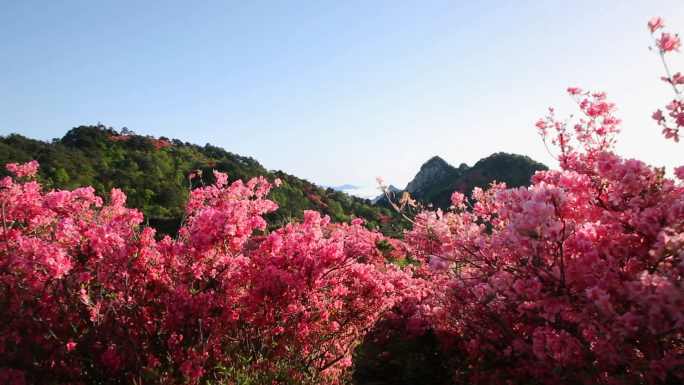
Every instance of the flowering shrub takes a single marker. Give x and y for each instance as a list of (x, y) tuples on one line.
[(87, 294), (578, 278)]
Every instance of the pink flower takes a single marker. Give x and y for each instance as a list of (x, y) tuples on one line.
[(117, 197), (599, 95), (658, 116), (111, 359), (574, 91), (152, 361), (221, 178), (671, 134), (438, 264), (190, 370), (277, 182), (529, 288), (71, 345), (679, 119), (186, 367), (481, 291), (27, 169), (679, 172), (84, 277), (333, 327), (457, 199), (669, 42), (678, 78), (656, 23)]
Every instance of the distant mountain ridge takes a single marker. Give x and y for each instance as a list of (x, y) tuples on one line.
[(340, 188), (437, 180), (390, 188), (371, 193), (346, 187)]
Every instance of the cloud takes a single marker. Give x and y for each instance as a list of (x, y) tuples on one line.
[(364, 192)]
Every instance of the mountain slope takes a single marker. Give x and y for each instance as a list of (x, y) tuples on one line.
[(437, 180), (154, 175), (514, 170), (433, 171)]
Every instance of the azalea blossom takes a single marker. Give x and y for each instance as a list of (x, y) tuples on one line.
[(656, 23), (669, 42)]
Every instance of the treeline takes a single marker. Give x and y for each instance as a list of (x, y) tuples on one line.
[(154, 174)]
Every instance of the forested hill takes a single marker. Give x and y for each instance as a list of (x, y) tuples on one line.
[(515, 170), (437, 180), (154, 175)]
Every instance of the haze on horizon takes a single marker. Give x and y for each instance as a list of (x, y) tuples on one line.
[(336, 92)]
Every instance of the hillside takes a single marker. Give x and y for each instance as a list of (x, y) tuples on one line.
[(437, 179), (154, 175)]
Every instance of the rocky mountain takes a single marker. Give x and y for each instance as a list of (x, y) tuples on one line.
[(433, 171), (437, 180), (382, 195)]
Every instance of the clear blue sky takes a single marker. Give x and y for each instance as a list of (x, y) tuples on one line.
[(334, 91)]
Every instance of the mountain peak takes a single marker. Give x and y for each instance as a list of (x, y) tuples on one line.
[(437, 180), (433, 171), (435, 161), (345, 187)]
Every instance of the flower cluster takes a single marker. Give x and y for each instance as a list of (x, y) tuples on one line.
[(577, 278), (665, 44), (87, 293)]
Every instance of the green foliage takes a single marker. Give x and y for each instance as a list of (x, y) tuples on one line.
[(390, 355), (386, 249), (61, 176), (154, 175)]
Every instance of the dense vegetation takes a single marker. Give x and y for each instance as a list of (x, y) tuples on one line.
[(575, 279), (154, 174)]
